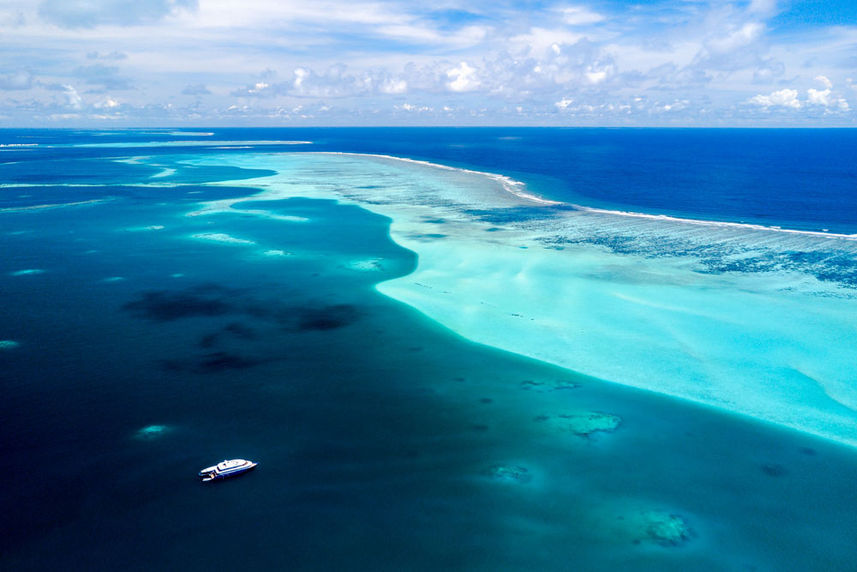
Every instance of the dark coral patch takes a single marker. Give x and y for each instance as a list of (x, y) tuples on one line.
[(327, 317), (165, 306), (774, 470), (223, 361)]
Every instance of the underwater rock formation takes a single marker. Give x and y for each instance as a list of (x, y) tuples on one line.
[(665, 529), (510, 473), (582, 423), (150, 432)]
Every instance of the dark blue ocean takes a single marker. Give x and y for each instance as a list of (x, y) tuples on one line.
[(796, 178), (139, 344)]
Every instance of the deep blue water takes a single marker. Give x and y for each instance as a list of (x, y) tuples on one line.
[(796, 178), (385, 442)]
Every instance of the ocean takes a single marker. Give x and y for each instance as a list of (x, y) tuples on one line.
[(468, 349)]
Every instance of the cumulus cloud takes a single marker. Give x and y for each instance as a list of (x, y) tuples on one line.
[(825, 97), (564, 103), (818, 96), (258, 89), (337, 81), (543, 42), (91, 13), (393, 86), (414, 108), (538, 61), (597, 72), (107, 103), (787, 98), (462, 78), (72, 97)]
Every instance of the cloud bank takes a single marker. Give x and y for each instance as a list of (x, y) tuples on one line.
[(331, 62)]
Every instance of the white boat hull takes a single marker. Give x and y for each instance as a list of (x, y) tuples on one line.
[(226, 469)]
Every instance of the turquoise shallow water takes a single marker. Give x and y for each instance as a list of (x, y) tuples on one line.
[(150, 343)]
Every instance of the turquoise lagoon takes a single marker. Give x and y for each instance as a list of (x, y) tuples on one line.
[(435, 366)]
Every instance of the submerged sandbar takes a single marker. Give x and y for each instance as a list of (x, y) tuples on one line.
[(734, 317)]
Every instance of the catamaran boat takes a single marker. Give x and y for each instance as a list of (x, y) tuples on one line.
[(224, 469)]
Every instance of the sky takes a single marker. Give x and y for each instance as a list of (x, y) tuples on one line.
[(121, 63)]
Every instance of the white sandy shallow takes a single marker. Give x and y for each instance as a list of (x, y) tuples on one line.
[(767, 340)]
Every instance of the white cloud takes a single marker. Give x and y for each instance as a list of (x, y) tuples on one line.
[(825, 97), (742, 37), (564, 103), (826, 82), (818, 97), (580, 16), (678, 105), (462, 78), (73, 98), (597, 72), (596, 76), (337, 81), (783, 98), (106, 103), (300, 75), (763, 7), (393, 86), (367, 54), (541, 42), (414, 108)]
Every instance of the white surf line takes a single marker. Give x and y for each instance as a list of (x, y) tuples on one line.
[(727, 224), (516, 188), (509, 184)]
